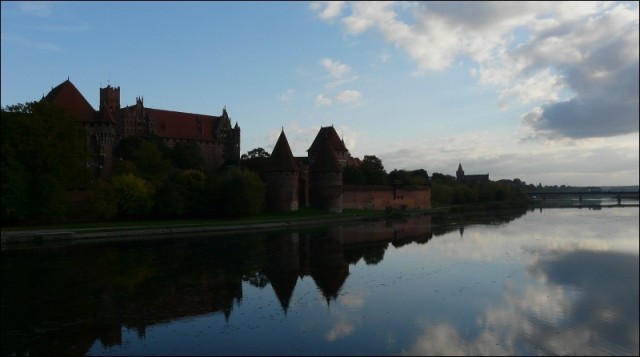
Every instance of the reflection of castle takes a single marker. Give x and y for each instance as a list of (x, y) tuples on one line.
[(317, 180), (461, 177), (219, 142), (160, 281)]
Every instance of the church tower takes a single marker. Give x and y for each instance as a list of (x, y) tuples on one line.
[(460, 173)]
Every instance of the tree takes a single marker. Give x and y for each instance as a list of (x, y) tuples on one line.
[(352, 175), (187, 155), (373, 170), (134, 195), (103, 200), (255, 160), (150, 163), (239, 193), (43, 154), (255, 154)]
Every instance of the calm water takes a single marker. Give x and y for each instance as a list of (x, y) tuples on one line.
[(542, 282)]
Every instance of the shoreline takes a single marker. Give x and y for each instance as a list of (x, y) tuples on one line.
[(69, 236)]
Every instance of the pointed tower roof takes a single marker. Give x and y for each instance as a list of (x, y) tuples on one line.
[(459, 167), (326, 159), (335, 143), (67, 96), (281, 158)]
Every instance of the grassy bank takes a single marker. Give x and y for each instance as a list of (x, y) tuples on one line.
[(266, 217)]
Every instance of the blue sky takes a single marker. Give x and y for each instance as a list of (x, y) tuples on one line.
[(545, 92)]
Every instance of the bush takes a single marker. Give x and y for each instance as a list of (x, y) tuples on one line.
[(239, 193), (133, 194)]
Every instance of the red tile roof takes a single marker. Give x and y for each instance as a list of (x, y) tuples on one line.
[(67, 96), (178, 125)]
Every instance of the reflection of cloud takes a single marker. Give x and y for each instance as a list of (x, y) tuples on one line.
[(351, 301), (588, 305), (444, 340), (339, 330)]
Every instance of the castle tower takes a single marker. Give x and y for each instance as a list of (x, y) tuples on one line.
[(460, 173), (110, 98), (325, 178), (282, 177)]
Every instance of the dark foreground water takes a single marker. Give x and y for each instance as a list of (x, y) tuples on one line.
[(550, 282)]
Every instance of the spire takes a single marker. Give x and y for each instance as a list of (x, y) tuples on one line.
[(281, 157)]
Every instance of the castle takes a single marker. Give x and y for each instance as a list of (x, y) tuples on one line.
[(317, 180), (291, 182), (219, 142), (461, 177)]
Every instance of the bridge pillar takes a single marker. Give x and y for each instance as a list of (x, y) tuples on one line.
[(619, 198)]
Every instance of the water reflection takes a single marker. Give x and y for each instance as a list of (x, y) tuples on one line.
[(509, 287)]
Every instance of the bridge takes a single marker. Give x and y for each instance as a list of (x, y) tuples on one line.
[(619, 195)]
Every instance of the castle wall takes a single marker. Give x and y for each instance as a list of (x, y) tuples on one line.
[(379, 197), (282, 191), (325, 191)]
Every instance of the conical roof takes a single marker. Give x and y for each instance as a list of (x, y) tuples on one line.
[(335, 143), (67, 96), (281, 158)]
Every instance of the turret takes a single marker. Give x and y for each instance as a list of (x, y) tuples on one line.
[(325, 178), (281, 177), (110, 97)]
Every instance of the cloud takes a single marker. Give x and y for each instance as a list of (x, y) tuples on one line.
[(36, 8), (349, 97), (287, 96), (323, 101), (584, 162), (575, 62), (328, 10), (340, 72), (23, 41)]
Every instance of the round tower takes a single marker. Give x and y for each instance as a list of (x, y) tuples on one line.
[(282, 178), (325, 179)]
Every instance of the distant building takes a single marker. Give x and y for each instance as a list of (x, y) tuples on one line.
[(219, 142), (461, 177)]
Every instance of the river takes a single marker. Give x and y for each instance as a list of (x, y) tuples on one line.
[(561, 281)]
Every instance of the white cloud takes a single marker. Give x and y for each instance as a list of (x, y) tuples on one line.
[(23, 41), (323, 101), (328, 10), (287, 96), (336, 69), (349, 97), (576, 61), (36, 8)]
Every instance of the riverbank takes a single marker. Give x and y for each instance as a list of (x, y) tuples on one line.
[(138, 230), (74, 233)]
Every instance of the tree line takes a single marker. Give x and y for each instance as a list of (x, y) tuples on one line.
[(44, 156)]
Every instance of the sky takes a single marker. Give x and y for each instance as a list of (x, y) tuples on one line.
[(546, 92)]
